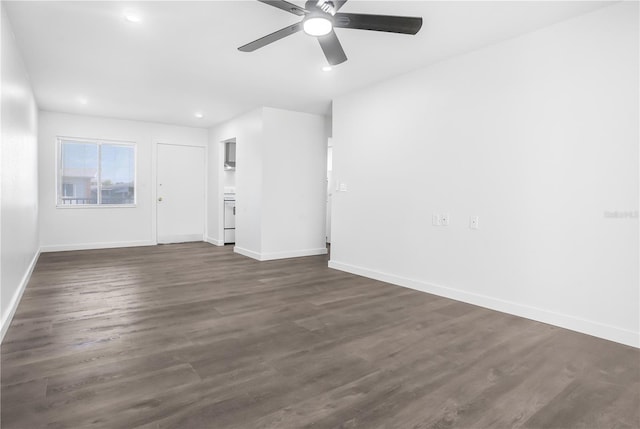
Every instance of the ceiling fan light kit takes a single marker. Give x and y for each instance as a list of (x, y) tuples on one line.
[(317, 26), (321, 17)]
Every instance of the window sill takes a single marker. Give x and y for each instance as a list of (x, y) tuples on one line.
[(96, 206)]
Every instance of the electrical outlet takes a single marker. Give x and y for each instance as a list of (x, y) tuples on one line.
[(440, 219), (444, 219), (474, 222)]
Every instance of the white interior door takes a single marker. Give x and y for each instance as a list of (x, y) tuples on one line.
[(180, 193)]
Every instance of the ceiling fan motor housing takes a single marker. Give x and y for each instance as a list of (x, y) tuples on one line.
[(325, 6)]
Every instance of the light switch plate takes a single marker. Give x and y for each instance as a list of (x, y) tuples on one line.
[(474, 222)]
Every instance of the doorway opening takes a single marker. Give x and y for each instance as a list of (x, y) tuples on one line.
[(228, 181)]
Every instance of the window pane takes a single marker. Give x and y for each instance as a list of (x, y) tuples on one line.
[(117, 174), (79, 175)]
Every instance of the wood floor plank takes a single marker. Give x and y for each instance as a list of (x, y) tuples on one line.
[(195, 336)]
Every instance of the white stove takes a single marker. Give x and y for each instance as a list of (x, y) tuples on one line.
[(229, 217)]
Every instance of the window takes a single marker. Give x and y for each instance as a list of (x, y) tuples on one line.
[(68, 190), (96, 173)]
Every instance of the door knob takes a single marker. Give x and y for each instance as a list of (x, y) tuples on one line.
[(160, 199)]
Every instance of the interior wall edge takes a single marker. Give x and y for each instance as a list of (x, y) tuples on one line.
[(20, 210), (17, 296), (565, 321)]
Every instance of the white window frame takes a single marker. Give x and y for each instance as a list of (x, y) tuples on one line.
[(98, 142)]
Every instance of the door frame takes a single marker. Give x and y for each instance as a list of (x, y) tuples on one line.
[(154, 186)]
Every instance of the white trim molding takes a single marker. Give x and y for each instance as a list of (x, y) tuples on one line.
[(180, 238), (280, 255), (17, 296), (247, 252), (589, 327), (214, 241), (293, 254), (93, 246)]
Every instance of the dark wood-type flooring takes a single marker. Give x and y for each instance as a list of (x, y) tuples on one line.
[(195, 336)]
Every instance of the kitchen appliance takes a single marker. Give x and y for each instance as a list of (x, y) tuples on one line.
[(230, 155), (229, 218)]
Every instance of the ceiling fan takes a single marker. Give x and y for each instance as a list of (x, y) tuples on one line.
[(322, 16)]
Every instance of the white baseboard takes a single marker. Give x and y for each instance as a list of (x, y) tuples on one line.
[(247, 252), (90, 246), (280, 255), (293, 254), (584, 326), (17, 296), (214, 241), (180, 238)]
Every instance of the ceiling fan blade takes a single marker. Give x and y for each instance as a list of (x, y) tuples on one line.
[(286, 6), (332, 48), (270, 38), (390, 24)]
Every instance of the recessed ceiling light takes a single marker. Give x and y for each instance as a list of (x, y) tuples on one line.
[(317, 26), (82, 100), (199, 115), (132, 16), (327, 68)]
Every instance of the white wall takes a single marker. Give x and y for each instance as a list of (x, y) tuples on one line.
[(99, 227), (280, 179), (19, 178), (247, 129), (294, 178), (538, 136), (229, 179)]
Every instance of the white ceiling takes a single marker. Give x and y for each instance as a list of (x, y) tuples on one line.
[(183, 56)]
